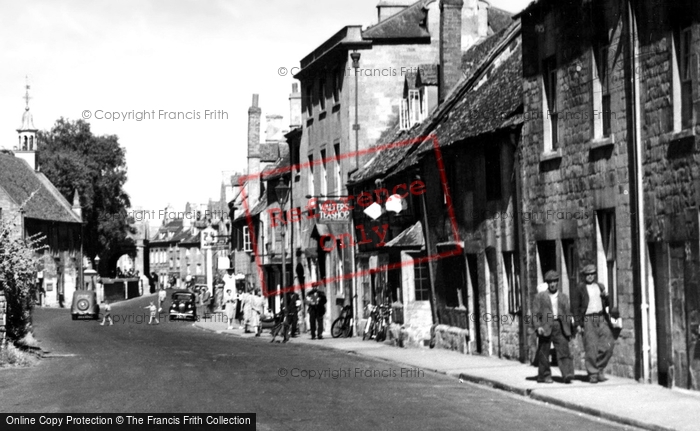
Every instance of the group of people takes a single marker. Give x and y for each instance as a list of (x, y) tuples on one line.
[(248, 308), (556, 323)]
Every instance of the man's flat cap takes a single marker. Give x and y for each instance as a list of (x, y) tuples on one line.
[(589, 269), (551, 275)]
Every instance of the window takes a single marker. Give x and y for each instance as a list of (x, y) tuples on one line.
[(404, 122), (324, 174), (421, 281), (322, 93), (551, 115), (247, 245), (510, 265), (601, 93), (311, 176), (605, 247), (682, 81), (336, 85), (414, 106), (338, 177), (309, 100), (492, 155)]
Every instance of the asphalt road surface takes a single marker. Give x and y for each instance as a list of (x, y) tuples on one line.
[(133, 367)]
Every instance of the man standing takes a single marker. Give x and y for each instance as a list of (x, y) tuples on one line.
[(552, 320), (589, 303), (161, 299), (293, 303), (316, 300)]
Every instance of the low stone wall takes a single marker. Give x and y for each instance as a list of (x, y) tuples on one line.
[(451, 338)]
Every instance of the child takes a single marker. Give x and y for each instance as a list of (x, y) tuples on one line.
[(153, 309), (161, 299), (108, 313)]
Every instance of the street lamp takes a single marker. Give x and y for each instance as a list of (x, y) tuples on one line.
[(97, 263), (282, 192)]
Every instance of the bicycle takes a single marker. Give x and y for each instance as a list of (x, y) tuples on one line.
[(383, 322), (342, 326), (370, 326), (282, 326)]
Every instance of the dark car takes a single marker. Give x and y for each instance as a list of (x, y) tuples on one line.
[(183, 305), (85, 305)]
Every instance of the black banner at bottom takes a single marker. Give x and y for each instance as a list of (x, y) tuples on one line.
[(137, 421)]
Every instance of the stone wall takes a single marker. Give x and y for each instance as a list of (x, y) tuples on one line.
[(561, 192)]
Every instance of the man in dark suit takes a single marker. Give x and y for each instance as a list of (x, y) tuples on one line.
[(316, 301), (552, 321), (589, 303)]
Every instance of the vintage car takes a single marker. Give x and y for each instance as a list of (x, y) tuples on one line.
[(85, 305), (183, 305)]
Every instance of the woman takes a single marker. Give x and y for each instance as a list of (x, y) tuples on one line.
[(246, 306), (256, 311), (230, 306)]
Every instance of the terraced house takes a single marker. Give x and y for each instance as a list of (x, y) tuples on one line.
[(609, 168)]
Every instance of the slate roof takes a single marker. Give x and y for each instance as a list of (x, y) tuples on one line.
[(407, 24), (19, 181), (390, 156), (498, 19), (276, 170), (174, 226), (269, 152), (476, 53), (427, 75), (257, 209), (494, 105)]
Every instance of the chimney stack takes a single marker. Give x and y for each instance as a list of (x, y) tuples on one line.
[(254, 112), (450, 45), (295, 107)]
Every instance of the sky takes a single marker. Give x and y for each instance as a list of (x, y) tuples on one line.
[(91, 59)]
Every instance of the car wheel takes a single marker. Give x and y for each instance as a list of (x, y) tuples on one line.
[(75, 317)]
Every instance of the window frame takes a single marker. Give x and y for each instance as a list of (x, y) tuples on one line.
[(550, 98)]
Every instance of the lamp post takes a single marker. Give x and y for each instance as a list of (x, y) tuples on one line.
[(282, 192)]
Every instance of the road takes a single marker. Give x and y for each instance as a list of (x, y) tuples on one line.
[(133, 367)]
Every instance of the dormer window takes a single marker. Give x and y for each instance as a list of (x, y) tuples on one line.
[(413, 110)]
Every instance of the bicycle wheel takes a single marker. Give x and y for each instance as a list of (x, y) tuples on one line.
[(348, 328), (368, 331), (337, 329), (381, 333)]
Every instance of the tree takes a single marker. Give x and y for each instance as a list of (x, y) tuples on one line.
[(74, 159), (18, 263)]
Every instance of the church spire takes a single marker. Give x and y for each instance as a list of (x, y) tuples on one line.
[(27, 146)]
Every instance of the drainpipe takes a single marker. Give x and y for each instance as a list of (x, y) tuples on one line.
[(636, 189), (431, 270)]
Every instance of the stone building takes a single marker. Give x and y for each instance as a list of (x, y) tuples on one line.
[(463, 153), (351, 92), (609, 168), (30, 201)]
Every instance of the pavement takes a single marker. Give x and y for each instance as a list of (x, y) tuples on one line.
[(619, 400)]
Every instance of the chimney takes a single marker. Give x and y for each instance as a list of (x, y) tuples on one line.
[(295, 107), (450, 45), (254, 112), (475, 23)]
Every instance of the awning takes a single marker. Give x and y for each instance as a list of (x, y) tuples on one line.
[(410, 238)]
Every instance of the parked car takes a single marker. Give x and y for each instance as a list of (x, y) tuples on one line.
[(183, 305), (85, 305)]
